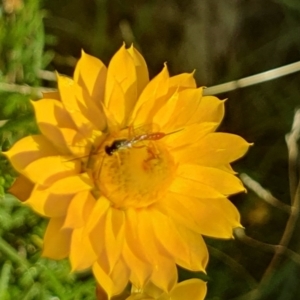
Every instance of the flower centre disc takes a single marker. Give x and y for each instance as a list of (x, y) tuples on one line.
[(134, 177)]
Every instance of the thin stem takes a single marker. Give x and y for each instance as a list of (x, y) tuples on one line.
[(252, 283), (239, 233), (254, 79), (13, 254), (24, 89), (4, 279), (263, 193), (291, 140)]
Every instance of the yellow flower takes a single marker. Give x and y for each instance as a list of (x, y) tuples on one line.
[(192, 289), (131, 173)]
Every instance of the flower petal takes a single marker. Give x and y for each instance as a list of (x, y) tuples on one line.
[(79, 210), (213, 150), (82, 255), (114, 283), (46, 170), (188, 135), (180, 242), (178, 111), (113, 235), (164, 275), (224, 182), (182, 81), (187, 187), (197, 214), (210, 109), (189, 289), (47, 204), (115, 103), (90, 73), (122, 75), (28, 149), (55, 236), (52, 118), (142, 76), (72, 185), (151, 99), (140, 271), (70, 94), (21, 188), (51, 95), (96, 224), (52, 112)]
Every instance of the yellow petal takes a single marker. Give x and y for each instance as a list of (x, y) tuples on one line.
[(182, 81), (82, 255), (47, 204), (115, 102), (52, 112), (198, 213), (79, 210), (140, 270), (52, 117), (122, 73), (151, 290), (113, 235), (21, 188), (189, 135), (187, 187), (219, 180), (70, 92), (90, 73), (193, 289), (75, 142), (181, 108), (29, 149), (133, 252), (72, 185), (92, 109), (51, 95), (96, 225), (54, 201), (56, 240), (114, 283), (99, 210), (132, 237), (198, 256), (46, 170), (180, 242), (151, 99), (164, 274), (142, 76), (210, 109), (214, 149)]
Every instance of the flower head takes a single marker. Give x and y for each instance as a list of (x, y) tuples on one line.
[(131, 173)]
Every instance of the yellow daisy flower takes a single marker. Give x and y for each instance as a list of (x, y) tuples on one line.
[(131, 173)]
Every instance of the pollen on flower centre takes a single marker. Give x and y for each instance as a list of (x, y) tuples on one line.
[(134, 176)]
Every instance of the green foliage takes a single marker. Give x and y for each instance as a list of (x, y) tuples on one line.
[(24, 274), (22, 42)]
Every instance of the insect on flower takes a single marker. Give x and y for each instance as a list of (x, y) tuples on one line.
[(120, 144)]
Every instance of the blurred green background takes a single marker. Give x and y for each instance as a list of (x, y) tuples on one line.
[(223, 41)]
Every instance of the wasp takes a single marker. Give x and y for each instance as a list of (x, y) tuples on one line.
[(120, 144)]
